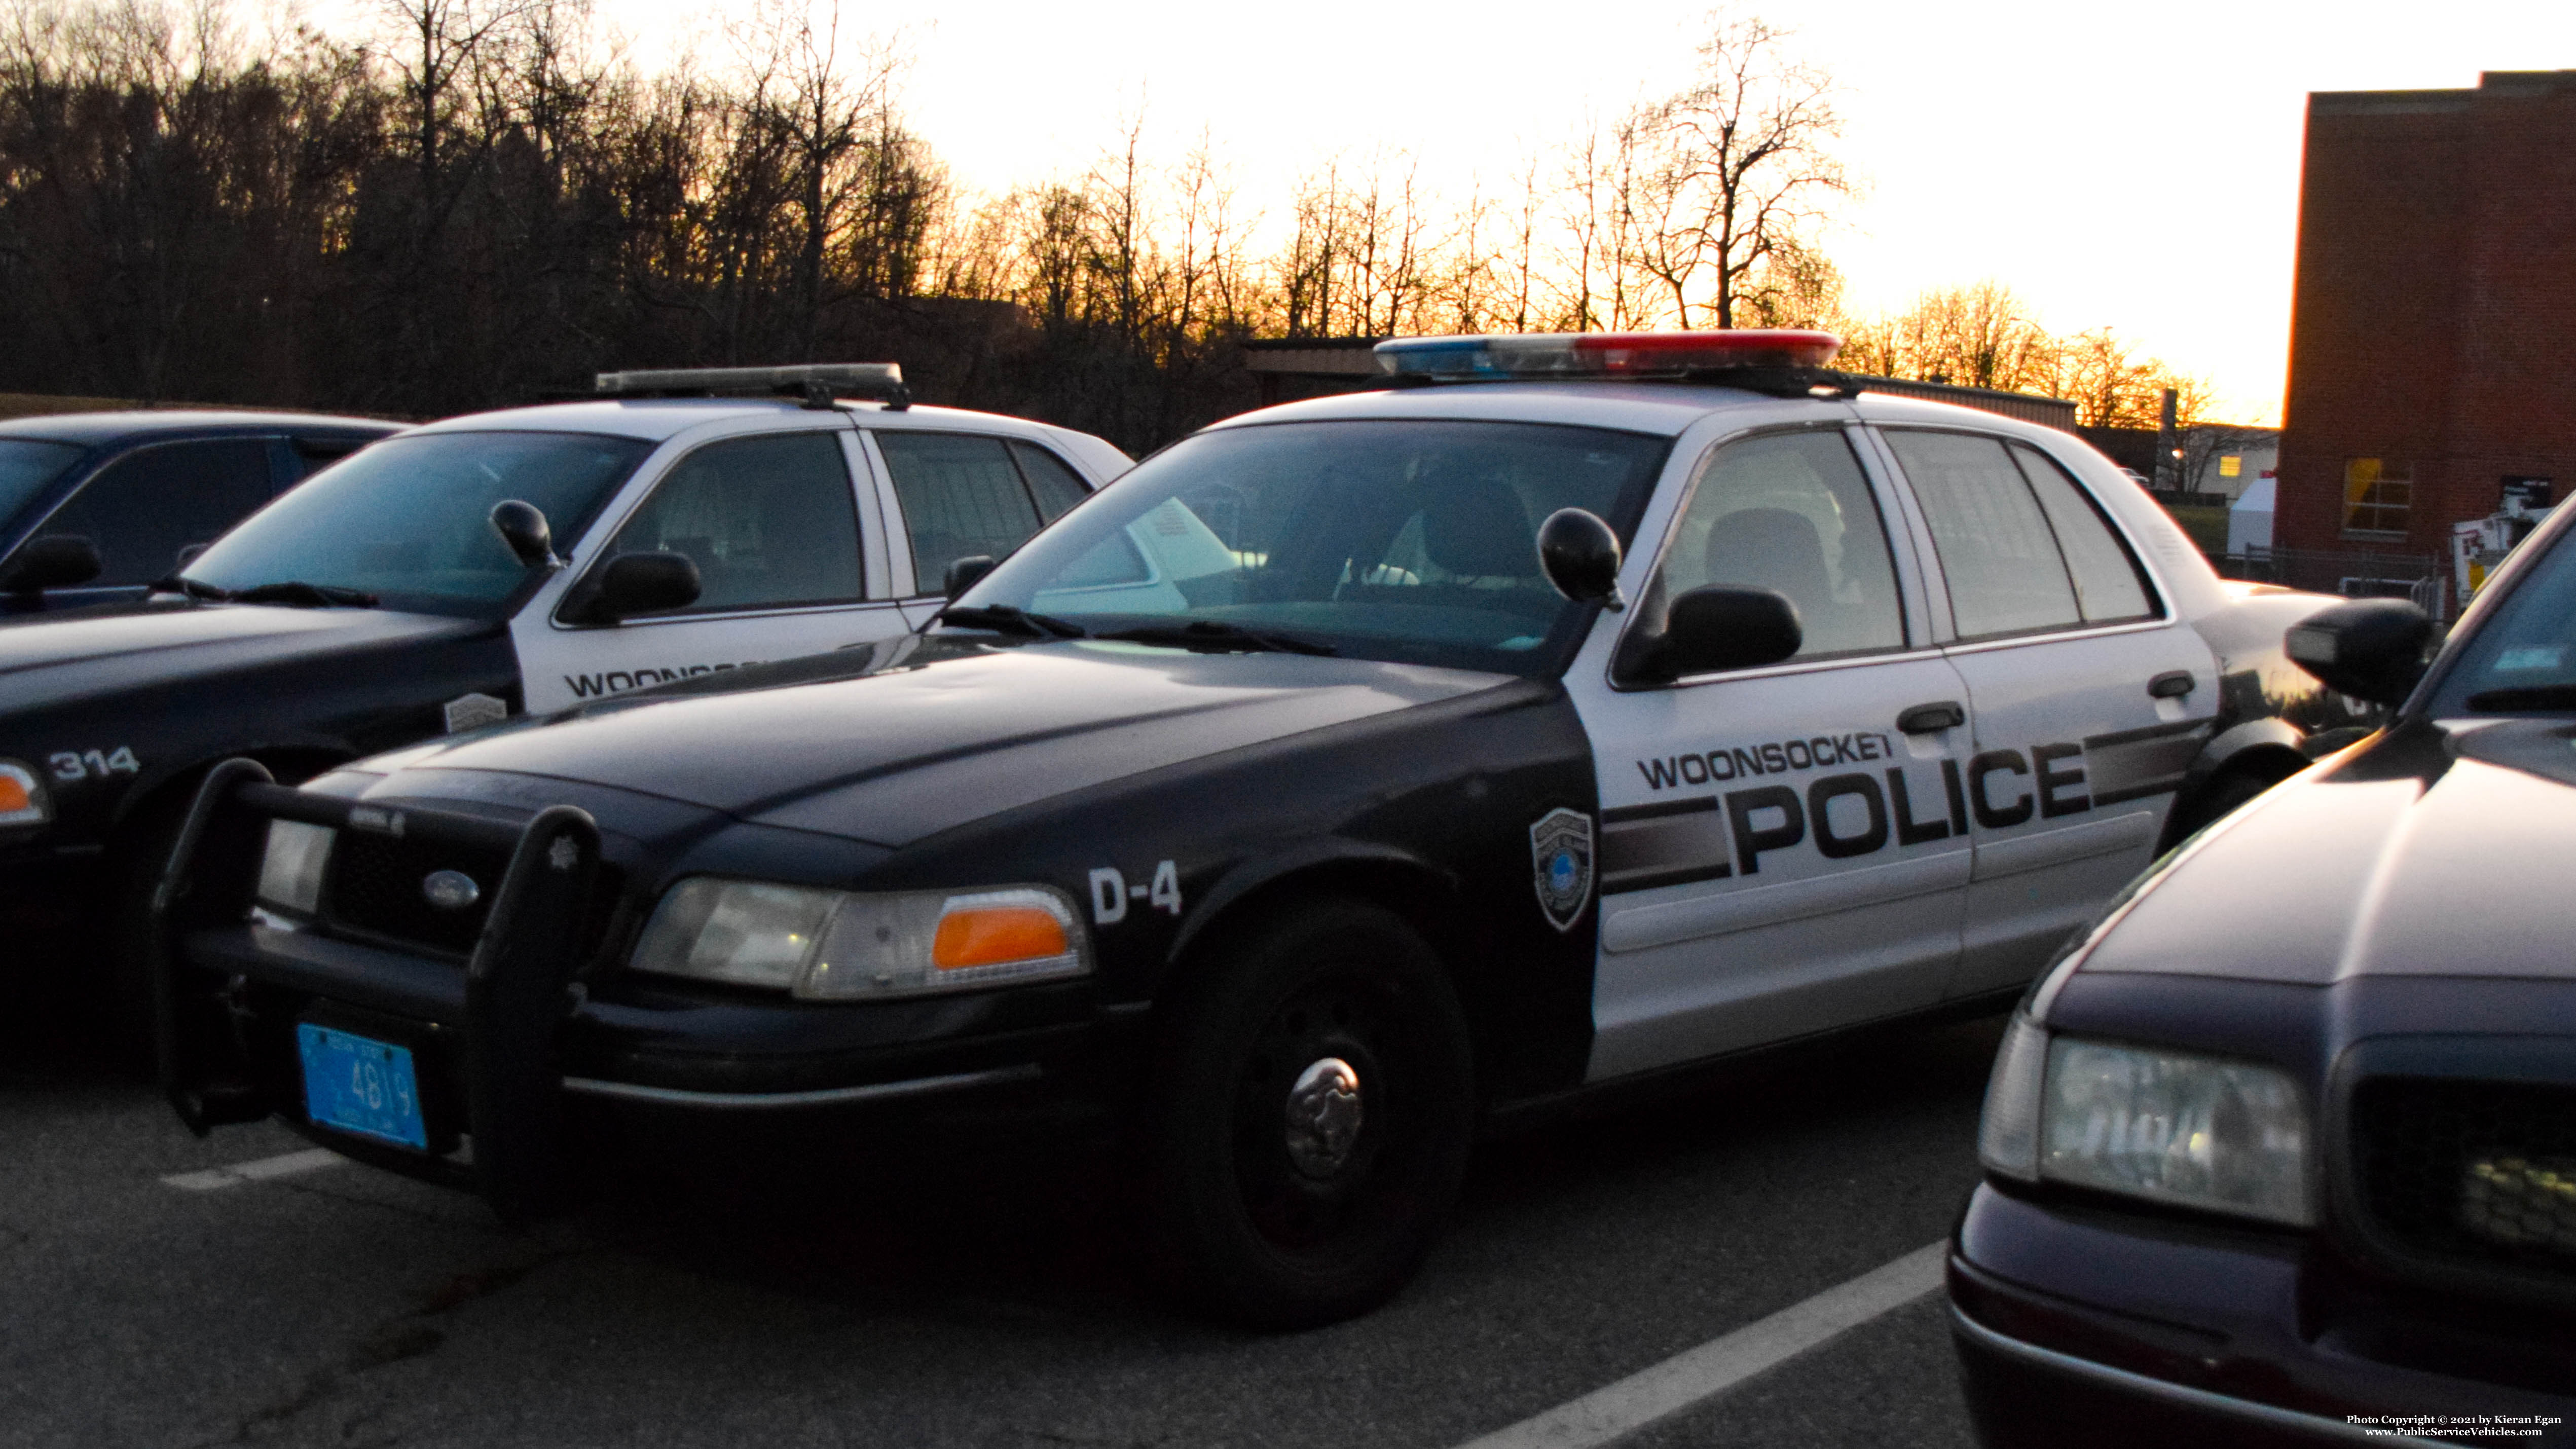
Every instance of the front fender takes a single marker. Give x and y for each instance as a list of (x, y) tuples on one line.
[(1319, 861), (322, 750)]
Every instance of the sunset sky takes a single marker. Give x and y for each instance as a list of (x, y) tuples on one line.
[(2135, 166)]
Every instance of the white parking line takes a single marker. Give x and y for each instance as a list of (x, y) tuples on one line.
[(289, 1165), (1693, 1375)]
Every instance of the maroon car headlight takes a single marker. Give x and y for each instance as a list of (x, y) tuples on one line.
[(2149, 1122), (2008, 1134)]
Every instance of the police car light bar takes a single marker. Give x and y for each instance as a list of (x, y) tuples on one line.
[(1770, 359), (817, 382)]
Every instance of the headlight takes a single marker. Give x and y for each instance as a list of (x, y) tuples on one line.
[(2008, 1135), (2226, 1136), (290, 873), (22, 796), (836, 946)]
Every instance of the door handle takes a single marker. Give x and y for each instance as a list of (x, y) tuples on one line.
[(2172, 684), (1923, 719)]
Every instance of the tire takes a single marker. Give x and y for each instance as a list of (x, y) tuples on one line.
[(2219, 799), (142, 851), (1292, 1213)]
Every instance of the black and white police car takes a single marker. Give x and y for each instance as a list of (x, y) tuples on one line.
[(417, 588), (1349, 775), (97, 507)]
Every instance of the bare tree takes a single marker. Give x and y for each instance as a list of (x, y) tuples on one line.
[(1980, 335), (1736, 169)]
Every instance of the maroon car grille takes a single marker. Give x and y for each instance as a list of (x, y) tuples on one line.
[(2479, 1173)]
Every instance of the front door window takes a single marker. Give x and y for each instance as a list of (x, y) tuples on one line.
[(769, 521), (1792, 512), (147, 506)]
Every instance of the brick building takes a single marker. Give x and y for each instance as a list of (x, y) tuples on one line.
[(2433, 341)]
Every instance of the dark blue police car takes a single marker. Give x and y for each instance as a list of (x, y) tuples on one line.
[(94, 507)]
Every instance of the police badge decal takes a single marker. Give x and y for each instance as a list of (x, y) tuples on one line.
[(1561, 861)]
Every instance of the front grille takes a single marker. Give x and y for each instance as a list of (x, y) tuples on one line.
[(2482, 1174), (375, 886)]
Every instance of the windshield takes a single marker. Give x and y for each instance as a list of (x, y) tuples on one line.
[(1399, 540), (2523, 658), (26, 466), (408, 519)]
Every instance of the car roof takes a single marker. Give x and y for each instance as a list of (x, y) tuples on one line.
[(1661, 408), (92, 430), (658, 418)]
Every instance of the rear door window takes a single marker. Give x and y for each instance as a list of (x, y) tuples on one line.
[(769, 521), (964, 495), (1055, 486), (142, 509), (301, 458), (2109, 587), (1998, 553)]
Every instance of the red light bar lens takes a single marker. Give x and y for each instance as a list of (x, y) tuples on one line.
[(1606, 354)]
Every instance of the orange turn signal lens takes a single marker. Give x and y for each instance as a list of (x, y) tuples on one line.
[(22, 796), (991, 935)]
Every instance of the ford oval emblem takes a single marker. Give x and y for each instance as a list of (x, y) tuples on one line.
[(451, 890)]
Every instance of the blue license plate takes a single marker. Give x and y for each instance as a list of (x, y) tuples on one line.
[(361, 1085)]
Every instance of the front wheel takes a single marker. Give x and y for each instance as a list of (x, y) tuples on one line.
[(2219, 799), (1313, 1117)]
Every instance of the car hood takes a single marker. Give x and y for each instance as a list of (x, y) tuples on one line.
[(2430, 851), (896, 741), (83, 653)]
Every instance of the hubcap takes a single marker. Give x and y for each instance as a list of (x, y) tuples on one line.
[(1323, 1117)]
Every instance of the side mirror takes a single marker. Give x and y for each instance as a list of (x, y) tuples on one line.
[(2370, 649), (634, 583), (965, 573), (1720, 626), (1580, 556), (53, 561), (523, 527)]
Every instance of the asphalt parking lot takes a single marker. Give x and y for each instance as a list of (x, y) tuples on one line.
[(948, 1304)]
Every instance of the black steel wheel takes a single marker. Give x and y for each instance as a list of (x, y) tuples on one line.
[(1312, 1125)]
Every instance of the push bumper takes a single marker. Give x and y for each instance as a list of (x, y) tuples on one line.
[(2088, 1325), (518, 1054)]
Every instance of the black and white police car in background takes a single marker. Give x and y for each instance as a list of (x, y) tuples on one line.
[(417, 588), (95, 507), (1283, 804)]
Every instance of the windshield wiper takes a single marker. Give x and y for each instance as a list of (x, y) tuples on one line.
[(1004, 619), (175, 584), (2527, 697), (1216, 636), (292, 591)]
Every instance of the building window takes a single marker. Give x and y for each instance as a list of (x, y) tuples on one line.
[(2231, 466), (2376, 494)]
